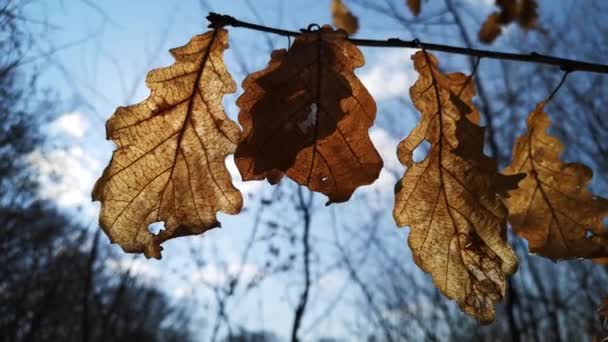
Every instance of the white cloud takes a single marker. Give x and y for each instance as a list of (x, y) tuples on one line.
[(248, 188), (68, 167), (141, 269), (67, 175), (218, 275), (391, 76), (332, 281), (387, 147), (73, 124), (482, 3), (183, 291)]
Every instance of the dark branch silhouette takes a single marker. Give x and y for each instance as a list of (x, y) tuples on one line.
[(221, 20)]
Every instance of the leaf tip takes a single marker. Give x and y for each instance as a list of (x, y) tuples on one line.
[(153, 250)]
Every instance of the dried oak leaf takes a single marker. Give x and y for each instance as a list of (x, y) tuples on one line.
[(490, 29), (601, 261), (415, 6), (527, 16), (343, 18), (523, 11), (169, 162), (307, 115), (553, 209), (508, 11), (449, 200)]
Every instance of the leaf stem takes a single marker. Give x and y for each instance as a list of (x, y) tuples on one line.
[(569, 65), (561, 82)]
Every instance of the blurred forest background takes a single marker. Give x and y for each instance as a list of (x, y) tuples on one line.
[(288, 266)]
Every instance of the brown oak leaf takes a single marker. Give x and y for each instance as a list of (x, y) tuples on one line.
[(343, 18), (169, 162), (450, 199), (527, 17), (415, 6), (524, 12), (508, 10), (307, 115), (553, 209), (490, 29), (601, 261)]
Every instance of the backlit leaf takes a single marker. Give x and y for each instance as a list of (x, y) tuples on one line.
[(414, 6), (307, 115), (169, 162), (490, 29), (553, 209), (343, 18), (524, 12), (528, 15), (508, 10), (601, 261), (449, 200)]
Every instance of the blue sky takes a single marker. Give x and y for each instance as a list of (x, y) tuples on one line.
[(104, 49)]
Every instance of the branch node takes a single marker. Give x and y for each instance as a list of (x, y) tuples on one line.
[(567, 68), (220, 20), (311, 28)]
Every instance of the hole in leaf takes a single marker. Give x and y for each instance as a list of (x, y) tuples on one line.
[(421, 151), (324, 179), (605, 222), (589, 234), (487, 150), (311, 119), (156, 227)]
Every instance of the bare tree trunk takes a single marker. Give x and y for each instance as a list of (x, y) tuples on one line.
[(87, 287), (512, 299)]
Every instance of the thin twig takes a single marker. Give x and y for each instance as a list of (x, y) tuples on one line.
[(305, 206), (220, 20), (559, 85), (486, 108)]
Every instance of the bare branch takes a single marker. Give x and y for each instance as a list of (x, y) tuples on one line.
[(219, 20), (304, 206)]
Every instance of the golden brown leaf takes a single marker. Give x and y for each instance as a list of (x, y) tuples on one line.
[(490, 29), (508, 11), (415, 6), (307, 115), (527, 17), (449, 200), (343, 18), (523, 11), (169, 162), (552, 209), (601, 261)]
